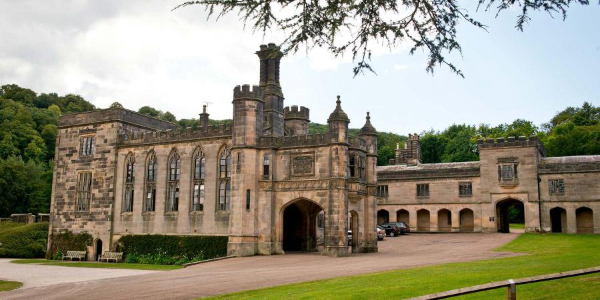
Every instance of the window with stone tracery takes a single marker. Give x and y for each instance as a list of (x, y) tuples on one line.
[(150, 184), (224, 180), (199, 172), (129, 184), (172, 204)]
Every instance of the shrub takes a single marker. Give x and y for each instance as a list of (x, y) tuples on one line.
[(23, 241), (67, 241), (171, 250)]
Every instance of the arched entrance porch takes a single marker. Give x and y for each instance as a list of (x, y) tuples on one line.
[(383, 216), (558, 218), (423, 220), (300, 225), (467, 221), (444, 220), (509, 211), (585, 220), (403, 216)]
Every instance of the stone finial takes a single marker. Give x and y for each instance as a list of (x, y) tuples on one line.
[(368, 128), (338, 114)]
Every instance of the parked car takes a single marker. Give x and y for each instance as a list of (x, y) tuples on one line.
[(380, 233), (391, 229), (404, 228)]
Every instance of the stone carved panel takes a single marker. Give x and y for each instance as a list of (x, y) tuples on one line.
[(303, 165), (302, 185)]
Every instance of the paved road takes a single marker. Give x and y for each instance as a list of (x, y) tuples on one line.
[(43, 275), (262, 271)]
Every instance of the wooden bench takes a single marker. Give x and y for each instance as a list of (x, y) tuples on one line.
[(108, 256), (74, 254)]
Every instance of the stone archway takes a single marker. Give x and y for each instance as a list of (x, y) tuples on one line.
[(383, 216), (403, 216), (502, 213), (558, 218), (355, 231), (98, 246), (423, 220), (300, 226), (444, 220), (585, 220), (466, 220)]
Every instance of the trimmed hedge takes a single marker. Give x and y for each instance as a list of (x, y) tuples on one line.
[(23, 241), (170, 249), (67, 241)]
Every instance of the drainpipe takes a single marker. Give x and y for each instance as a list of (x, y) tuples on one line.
[(540, 203)]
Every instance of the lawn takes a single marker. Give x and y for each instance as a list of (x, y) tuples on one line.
[(549, 253), (9, 285), (516, 226), (85, 264)]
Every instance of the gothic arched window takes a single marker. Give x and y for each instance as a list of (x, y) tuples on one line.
[(224, 179), (129, 183), (199, 171), (173, 183), (150, 185)]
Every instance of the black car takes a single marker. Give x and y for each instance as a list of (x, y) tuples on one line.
[(404, 228), (391, 229)]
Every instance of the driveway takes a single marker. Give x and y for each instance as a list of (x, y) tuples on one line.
[(263, 271)]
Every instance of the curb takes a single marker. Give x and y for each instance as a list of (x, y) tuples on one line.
[(205, 261)]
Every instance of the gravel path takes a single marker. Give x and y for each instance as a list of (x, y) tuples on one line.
[(263, 271)]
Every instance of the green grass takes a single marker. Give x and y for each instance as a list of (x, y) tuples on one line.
[(9, 285), (548, 253), (516, 226), (85, 264)]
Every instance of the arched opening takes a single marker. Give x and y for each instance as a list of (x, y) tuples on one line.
[(423, 220), (467, 222), (403, 216), (383, 216), (98, 249), (300, 226), (585, 220), (444, 220), (354, 229), (558, 218), (509, 211)]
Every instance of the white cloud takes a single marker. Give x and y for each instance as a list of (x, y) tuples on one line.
[(400, 67)]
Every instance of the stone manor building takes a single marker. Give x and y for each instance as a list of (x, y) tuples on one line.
[(272, 187)]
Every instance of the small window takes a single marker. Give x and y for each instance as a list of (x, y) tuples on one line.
[(465, 189), (423, 190), (266, 166), (84, 191), (238, 164), (87, 146), (508, 172), (361, 168), (247, 199), (382, 190), (321, 220), (352, 166), (556, 186)]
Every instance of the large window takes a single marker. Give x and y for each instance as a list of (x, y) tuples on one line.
[(87, 146), (556, 186), (508, 172), (423, 190), (465, 189), (151, 172), (199, 167), (129, 184), (84, 191), (224, 179), (173, 183)]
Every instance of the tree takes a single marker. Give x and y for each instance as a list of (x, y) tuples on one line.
[(23, 187), (433, 146), (355, 26), (149, 111), (167, 116), (116, 105)]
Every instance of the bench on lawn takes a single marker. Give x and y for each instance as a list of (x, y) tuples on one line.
[(74, 254), (108, 256)]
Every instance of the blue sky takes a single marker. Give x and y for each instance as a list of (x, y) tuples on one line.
[(147, 55)]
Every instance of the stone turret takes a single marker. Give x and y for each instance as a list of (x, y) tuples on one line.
[(369, 134), (270, 57), (297, 120), (247, 115), (338, 122), (204, 118)]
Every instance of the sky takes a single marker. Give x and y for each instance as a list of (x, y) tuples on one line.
[(139, 52)]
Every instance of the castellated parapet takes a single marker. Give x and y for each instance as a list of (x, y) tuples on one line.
[(245, 92), (296, 120), (295, 112), (511, 142), (174, 135)]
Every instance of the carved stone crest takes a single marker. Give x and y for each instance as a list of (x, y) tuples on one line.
[(302, 165)]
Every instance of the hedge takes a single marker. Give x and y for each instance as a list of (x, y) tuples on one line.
[(170, 249), (23, 240), (67, 241)]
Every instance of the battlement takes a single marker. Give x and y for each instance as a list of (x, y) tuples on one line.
[(174, 135), (511, 142), (320, 139), (244, 92), (413, 137), (294, 112)]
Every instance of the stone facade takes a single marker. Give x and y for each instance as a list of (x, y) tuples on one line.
[(263, 181), (560, 193)]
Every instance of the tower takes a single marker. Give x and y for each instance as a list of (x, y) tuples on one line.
[(297, 120), (270, 56), (338, 123), (204, 118), (369, 135)]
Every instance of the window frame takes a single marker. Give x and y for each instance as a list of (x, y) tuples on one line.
[(173, 184), (224, 182), (86, 145), (508, 173), (423, 190), (129, 184), (84, 191), (383, 190), (149, 205), (556, 186), (266, 166), (469, 189), (198, 191)]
